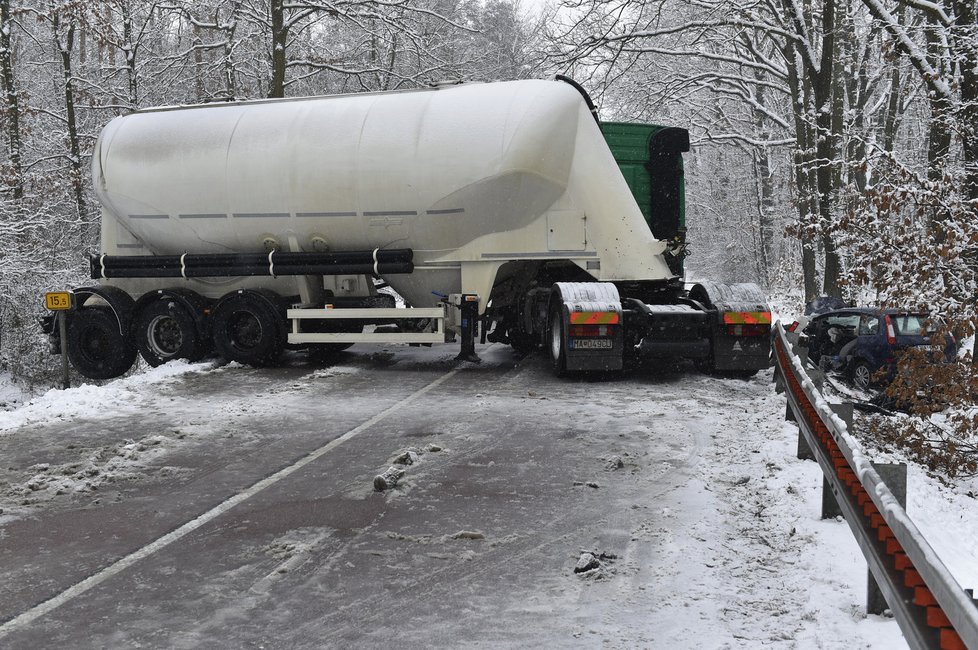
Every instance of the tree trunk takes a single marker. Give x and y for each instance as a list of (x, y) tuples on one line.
[(197, 44), (857, 91), (836, 72), (74, 149), (230, 78), (129, 51), (280, 37), (827, 109), (939, 126), (966, 23), (765, 229), (16, 182), (804, 174), (892, 116)]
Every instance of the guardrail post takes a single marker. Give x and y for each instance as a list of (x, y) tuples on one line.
[(830, 503), (895, 477), (804, 451)]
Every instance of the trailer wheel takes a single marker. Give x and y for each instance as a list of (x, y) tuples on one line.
[(165, 331), (96, 346), (555, 339), (248, 329)]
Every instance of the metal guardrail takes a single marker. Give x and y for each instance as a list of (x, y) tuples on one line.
[(933, 611)]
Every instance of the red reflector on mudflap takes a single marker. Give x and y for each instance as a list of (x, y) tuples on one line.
[(594, 318), (747, 317)]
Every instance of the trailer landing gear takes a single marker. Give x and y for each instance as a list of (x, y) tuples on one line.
[(468, 306)]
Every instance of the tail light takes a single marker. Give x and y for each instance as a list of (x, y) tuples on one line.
[(793, 326), (890, 331), (591, 330), (747, 323)]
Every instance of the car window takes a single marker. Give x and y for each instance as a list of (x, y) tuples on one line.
[(908, 324), (843, 321), (869, 325)]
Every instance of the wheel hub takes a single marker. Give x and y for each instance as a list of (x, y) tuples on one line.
[(244, 330), (165, 336)]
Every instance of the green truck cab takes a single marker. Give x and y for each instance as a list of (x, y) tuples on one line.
[(651, 159)]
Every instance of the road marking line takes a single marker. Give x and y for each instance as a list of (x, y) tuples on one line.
[(118, 566)]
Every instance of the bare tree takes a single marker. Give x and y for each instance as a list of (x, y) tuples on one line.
[(15, 179)]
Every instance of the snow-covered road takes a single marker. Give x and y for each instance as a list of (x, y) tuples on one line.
[(197, 506)]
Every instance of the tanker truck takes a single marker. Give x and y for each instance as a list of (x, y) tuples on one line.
[(497, 211)]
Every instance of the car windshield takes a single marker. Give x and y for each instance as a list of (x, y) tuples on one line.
[(908, 324)]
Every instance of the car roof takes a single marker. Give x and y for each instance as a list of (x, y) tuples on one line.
[(873, 311)]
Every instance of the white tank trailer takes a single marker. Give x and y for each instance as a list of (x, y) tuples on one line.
[(243, 228)]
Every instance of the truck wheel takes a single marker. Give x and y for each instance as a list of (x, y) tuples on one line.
[(165, 331), (247, 329), (555, 340), (96, 347)]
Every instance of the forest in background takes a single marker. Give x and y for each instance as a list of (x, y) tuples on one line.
[(834, 143)]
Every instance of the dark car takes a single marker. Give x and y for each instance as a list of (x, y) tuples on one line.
[(862, 340)]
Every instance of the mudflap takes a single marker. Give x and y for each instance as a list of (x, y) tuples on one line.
[(592, 326), (741, 327), (740, 352)]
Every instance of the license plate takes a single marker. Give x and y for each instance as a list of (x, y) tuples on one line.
[(590, 344)]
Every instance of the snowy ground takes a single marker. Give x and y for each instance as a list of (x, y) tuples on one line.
[(11, 395), (687, 485)]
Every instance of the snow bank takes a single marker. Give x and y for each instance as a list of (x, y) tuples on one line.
[(88, 401)]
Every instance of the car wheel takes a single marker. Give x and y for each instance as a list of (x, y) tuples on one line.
[(861, 374)]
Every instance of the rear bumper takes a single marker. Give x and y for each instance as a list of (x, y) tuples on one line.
[(695, 349)]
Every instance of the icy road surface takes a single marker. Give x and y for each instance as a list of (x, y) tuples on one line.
[(226, 507)]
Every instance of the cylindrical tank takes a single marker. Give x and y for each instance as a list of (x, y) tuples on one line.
[(469, 176)]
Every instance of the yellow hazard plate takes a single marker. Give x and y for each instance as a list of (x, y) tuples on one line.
[(59, 300)]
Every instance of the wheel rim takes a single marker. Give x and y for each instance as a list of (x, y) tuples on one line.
[(244, 330), (861, 375), (555, 332), (94, 343), (165, 336)]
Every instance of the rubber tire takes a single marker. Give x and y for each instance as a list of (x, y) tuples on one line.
[(522, 344), (248, 330), (521, 341), (555, 340), (191, 345), (861, 375), (96, 347)]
